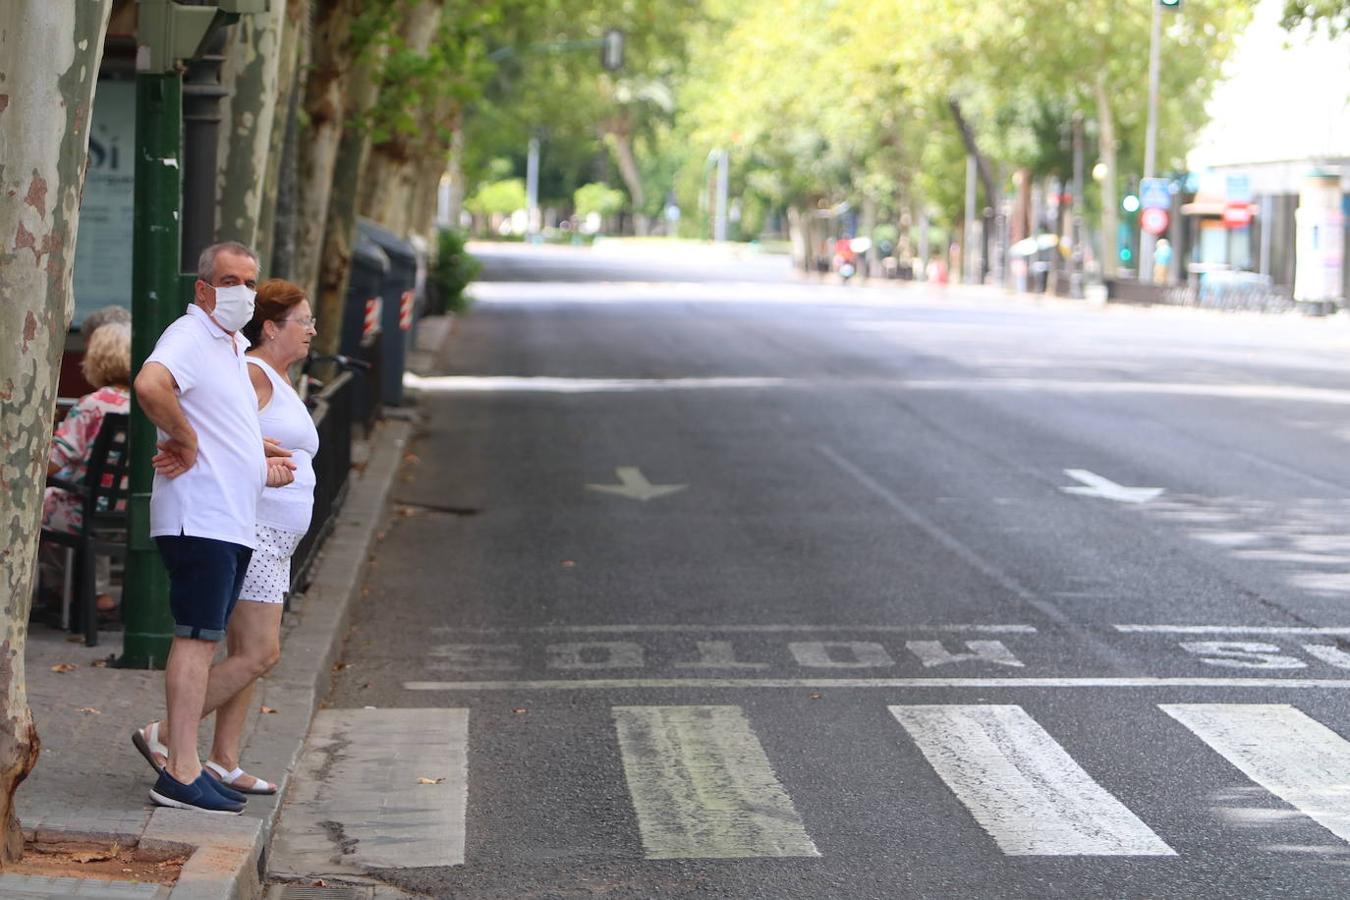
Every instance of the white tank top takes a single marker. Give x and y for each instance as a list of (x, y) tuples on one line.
[(285, 418)]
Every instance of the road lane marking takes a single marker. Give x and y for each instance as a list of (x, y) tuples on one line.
[(922, 522), (607, 684), (718, 655), (840, 654), (970, 557), (1291, 755), (469, 384), (472, 384), (932, 653), (742, 629), (703, 787), (1094, 485), (1231, 629), (356, 801), (1241, 655), (1021, 786), (596, 655), (635, 486)]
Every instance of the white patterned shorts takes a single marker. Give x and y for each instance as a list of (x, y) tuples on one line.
[(269, 571)]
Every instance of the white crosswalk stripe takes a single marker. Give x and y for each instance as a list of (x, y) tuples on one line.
[(703, 787), (1023, 787), (377, 788), (1295, 757)]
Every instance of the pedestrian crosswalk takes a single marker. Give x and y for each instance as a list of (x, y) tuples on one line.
[(700, 783), (1022, 787)]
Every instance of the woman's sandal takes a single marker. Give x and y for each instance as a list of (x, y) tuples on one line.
[(231, 778), (146, 740)]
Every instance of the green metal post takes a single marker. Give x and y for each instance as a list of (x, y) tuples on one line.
[(157, 299)]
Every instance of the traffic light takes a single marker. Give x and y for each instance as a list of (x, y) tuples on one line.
[(1170, 4), (1130, 203)]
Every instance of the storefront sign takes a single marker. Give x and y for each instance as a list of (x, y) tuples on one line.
[(103, 245)]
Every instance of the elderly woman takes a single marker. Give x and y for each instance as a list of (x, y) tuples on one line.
[(106, 366)]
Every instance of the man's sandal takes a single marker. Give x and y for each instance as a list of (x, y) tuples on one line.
[(231, 778), (146, 740)]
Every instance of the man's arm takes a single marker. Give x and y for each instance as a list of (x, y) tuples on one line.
[(157, 394)]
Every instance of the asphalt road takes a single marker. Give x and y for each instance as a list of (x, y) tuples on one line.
[(870, 646)]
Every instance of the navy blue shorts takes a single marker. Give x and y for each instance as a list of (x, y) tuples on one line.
[(205, 576)]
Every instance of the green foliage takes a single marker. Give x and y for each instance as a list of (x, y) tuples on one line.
[(598, 198), (1333, 14), (454, 269), (823, 104), (497, 198)]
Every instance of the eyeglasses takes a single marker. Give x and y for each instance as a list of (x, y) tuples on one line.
[(306, 322)]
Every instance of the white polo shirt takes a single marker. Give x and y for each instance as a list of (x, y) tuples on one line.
[(218, 496)]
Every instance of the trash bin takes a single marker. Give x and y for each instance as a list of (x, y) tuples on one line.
[(398, 291), (369, 267)]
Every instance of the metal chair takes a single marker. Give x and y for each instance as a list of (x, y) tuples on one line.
[(103, 496)]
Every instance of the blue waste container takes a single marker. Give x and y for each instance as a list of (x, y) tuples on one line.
[(400, 279), (369, 268)]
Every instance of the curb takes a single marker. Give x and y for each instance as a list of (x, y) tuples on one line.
[(230, 860)]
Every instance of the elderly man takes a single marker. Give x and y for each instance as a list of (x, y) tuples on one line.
[(211, 467)]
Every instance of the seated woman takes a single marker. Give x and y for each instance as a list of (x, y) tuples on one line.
[(106, 366)]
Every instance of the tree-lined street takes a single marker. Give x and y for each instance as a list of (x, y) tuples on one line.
[(911, 627)]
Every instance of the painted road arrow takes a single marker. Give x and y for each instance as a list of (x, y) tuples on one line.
[(1094, 485), (635, 486)]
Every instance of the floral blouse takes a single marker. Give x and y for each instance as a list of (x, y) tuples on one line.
[(71, 446)]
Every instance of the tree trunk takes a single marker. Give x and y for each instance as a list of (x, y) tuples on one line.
[(294, 28), (426, 197), (456, 172), (248, 110), (49, 60), (340, 231), (798, 237), (386, 185), (1020, 227), (330, 60), (1110, 223), (620, 140), (991, 191), (871, 259)]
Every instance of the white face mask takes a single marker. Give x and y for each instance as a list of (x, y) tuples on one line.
[(234, 306)]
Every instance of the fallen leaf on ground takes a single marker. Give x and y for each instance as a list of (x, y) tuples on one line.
[(411, 458), (519, 710), (338, 667), (267, 710), (430, 780), (813, 696), (64, 667), (88, 856), (99, 664), (90, 709), (567, 563), (74, 638)]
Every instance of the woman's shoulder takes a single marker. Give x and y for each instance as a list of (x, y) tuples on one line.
[(258, 375), (107, 399)]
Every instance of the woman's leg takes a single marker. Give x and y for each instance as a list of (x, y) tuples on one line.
[(254, 639)]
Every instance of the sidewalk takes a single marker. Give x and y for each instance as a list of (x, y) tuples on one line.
[(91, 785)]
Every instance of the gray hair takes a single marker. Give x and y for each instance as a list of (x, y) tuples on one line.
[(206, 263), (106, 315)]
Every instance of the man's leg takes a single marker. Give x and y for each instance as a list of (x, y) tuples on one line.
[(185, 678), (204, 577), (254, 642)]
